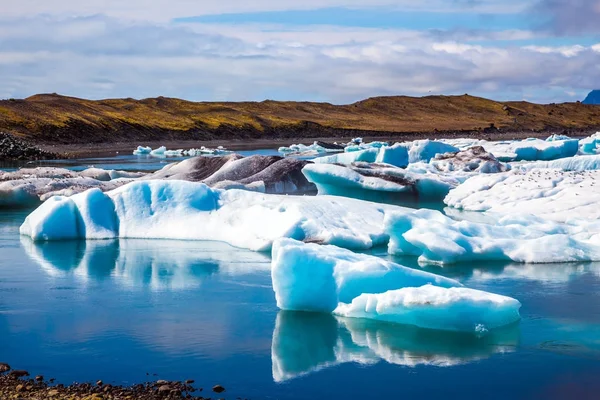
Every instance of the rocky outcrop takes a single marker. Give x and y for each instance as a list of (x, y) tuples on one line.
[(12, 148)]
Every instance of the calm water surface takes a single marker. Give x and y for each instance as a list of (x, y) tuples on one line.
[(117, 310)]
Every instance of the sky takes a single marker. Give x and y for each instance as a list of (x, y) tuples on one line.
[(338, 51)]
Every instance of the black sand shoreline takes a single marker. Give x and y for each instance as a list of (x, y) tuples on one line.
[(110, 149), (19, 384)]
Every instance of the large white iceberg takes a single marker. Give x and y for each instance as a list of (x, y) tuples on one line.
[(193, 211), (310, 277), (550, 193), (438, 239), (451, 309)]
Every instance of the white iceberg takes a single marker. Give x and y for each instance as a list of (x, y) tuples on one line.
[(522, 150), (378, 182), (29, 186), (590, 144), (270, 174), (438, 239), (577, 163), (425, 150), (193, 211), (311, 277), (549, 193), (159, 152), (368, 156), (472, 160), (142, 150), (451, 309)]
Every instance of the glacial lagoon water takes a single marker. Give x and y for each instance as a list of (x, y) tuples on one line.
[(134, 310)]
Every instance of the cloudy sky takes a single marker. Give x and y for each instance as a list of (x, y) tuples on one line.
[(324, 50)]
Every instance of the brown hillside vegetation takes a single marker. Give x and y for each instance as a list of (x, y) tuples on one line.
[(50, 118)]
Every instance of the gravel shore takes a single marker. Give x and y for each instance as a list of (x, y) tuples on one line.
[(18, 384)]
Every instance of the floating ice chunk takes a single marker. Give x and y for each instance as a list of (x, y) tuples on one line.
[(425, 150), (96, 212), (475, 159), (27, 186), (522, 150), (577, 163), (557, 137), (310, 277), (396, 155), (451, 309), (160, 152), (309, 342), (368, 181), (590, 144), (351, 147), (550, 193), (192, 211), (141, 150), (173, 153), (437, 239), (55, 219), (270, 174), (369, 156), (315, 148)]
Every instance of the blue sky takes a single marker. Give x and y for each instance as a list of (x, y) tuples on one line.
[(338, 51)]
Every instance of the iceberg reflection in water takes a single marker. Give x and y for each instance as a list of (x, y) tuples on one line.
[(154, 264), (308, 342)]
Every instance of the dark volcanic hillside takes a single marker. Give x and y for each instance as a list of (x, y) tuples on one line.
[(59, 119)]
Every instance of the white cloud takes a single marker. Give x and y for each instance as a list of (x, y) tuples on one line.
[(567, 51), (100, 57)]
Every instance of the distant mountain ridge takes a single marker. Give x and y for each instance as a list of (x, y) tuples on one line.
[(593, 98), (55, 119)]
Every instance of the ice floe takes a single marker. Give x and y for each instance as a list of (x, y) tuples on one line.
[(308, 342), (316, 148), (438, 239), (162, 152), (577, 163), (171, 209), (590, 144), (550, 193), (522, 150), (378, 182), (270, 174), (29, 186), (309, 277), (452, 309)]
